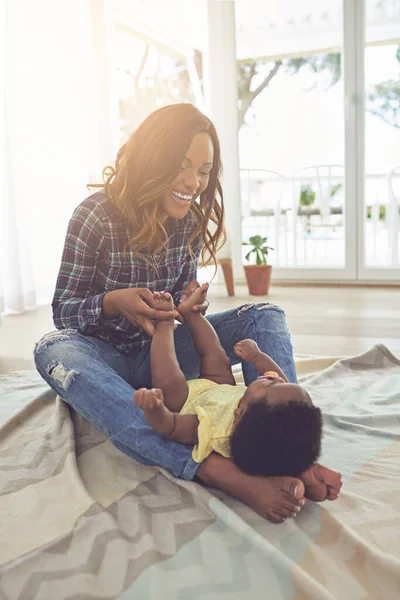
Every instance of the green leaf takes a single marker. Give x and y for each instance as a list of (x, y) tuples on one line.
[(259, 247), (266, 249)]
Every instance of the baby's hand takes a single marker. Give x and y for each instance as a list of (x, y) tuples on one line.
[(150, 400), (247, 350)]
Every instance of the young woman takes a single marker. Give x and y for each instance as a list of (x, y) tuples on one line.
[(144, 232)]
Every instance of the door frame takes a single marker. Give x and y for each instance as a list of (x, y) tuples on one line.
[(355, 269), (353, 158), (379, 274)]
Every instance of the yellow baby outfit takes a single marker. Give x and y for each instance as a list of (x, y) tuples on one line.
[(214, 405)]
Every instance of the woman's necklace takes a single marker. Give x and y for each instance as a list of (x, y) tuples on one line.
[(154, 260)]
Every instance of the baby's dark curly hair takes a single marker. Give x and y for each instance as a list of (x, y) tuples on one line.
[(279, 439)]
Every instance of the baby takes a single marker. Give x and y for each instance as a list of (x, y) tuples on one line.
[(269, 428)]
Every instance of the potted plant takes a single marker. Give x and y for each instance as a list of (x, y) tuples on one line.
[(258, 275)]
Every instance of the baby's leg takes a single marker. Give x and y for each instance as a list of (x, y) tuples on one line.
[(215, 364), (179, 428), (321, 483), (166, 373)]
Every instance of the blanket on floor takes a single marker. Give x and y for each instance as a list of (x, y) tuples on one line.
[(79, 519)]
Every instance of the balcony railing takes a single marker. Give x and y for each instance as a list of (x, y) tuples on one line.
[(304, 215)]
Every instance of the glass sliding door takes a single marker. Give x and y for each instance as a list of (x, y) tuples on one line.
[(292, 149), (380, 219), (320, 135)]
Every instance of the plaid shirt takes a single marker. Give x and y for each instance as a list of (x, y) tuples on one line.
[(95, 262)]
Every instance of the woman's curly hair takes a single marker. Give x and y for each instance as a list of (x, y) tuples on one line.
[(148, 163)]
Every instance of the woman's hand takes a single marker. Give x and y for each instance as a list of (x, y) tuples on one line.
[(189, 289), (136, 305)]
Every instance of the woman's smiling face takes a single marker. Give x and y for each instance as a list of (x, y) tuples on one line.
[(192, 178)]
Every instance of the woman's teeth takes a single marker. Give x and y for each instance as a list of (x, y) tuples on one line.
[(181, 198)]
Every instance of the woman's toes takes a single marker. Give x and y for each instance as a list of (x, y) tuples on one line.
[(288, 513), (289, 509), (291, 492), (297, 489), (274, 517), (332, 495)]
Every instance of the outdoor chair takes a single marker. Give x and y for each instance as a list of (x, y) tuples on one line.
[(262, 192), (318, 191)]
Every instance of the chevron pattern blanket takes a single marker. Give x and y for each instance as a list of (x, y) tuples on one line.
[(81, 520)]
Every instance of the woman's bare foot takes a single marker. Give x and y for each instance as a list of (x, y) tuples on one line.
[(321, 483), (273, 498), (276, 498), (195, 298)]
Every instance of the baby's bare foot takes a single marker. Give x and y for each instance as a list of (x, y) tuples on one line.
[(150, 400), (321, 483), (163, 301), (196, 297)]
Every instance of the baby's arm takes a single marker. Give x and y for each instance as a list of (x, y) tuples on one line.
[(248, 350), (173, 426)]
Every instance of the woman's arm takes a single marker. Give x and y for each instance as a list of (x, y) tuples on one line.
[(73, 305)]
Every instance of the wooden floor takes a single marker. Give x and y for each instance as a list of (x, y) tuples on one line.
[(326, 321), (322, 321)]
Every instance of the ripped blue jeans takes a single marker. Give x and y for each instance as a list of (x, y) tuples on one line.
[(99, 382)]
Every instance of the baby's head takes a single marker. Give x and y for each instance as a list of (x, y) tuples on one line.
[(277, 429)]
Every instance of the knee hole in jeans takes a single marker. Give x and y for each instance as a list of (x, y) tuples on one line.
[(58, 335), (258, 306), (61, 374)]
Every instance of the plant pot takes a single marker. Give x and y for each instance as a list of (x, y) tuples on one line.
[(258, 278)]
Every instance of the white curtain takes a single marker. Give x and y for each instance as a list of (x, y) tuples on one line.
[(50, 124), (58, 129)]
